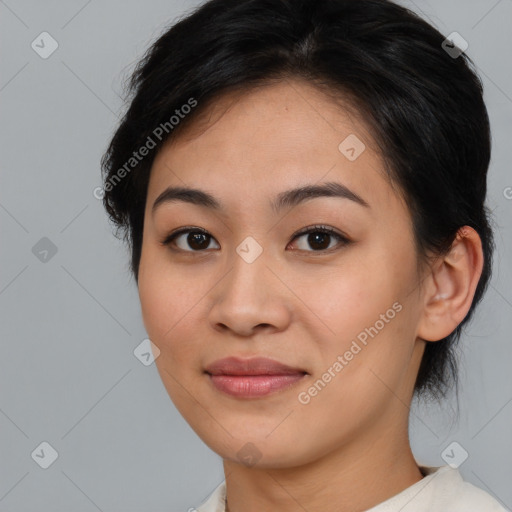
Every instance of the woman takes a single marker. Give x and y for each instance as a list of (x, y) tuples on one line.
[(302, 185)]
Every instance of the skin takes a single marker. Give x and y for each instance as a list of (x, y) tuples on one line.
[(348, 448)]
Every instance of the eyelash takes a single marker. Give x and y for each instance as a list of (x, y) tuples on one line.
[(342, 240)]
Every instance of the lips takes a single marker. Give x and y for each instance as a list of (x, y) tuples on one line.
[(252, 378), (253, 366)]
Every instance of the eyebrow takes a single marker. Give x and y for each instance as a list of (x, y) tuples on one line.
[(289, 198)]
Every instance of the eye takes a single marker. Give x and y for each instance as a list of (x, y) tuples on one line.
[(198, 239), (319, 238)]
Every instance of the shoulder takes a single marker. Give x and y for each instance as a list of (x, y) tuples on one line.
[(450, 492), (441, 490), (469, 498), (216, 502)]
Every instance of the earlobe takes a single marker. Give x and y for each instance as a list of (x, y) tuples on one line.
[(451, 286)]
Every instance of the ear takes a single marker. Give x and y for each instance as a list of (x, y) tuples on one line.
[(450, 286)]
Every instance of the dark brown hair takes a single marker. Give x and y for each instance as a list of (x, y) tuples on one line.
[(423, 104)]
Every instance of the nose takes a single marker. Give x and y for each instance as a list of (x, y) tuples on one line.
[(250, 298)]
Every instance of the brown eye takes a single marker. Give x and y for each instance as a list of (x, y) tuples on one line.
[(319, 238), (196, 240)]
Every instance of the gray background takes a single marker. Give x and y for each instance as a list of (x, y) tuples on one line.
[(69, 325)]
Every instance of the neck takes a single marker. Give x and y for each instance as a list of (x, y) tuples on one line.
[(354, 478)]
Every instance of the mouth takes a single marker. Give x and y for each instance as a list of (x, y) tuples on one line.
[(251, 378)]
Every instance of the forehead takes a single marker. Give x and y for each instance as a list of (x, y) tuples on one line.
[(268, 139)]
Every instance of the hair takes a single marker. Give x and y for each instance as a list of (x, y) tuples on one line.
[(423, 106)]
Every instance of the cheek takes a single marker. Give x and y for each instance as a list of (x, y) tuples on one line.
[(154, 299), (161, 297), (346, 298), (364, 311), (170, 304), (170, 318)]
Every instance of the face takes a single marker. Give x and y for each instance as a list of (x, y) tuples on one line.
[(258, 278)]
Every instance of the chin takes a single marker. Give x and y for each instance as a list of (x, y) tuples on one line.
[(257, 451)]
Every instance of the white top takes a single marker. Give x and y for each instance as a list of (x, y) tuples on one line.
[(442, 490)]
